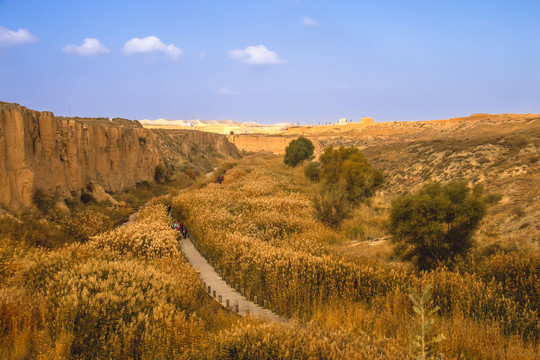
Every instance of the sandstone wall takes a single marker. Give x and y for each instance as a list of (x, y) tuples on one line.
[(258, 142), (41, 151)]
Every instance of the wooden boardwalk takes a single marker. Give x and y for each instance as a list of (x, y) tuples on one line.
[(222, 290)]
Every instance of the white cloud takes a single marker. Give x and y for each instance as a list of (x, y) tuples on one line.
[(151, 44), (309, 21), (256, 55), (225, 91), (10, 37), (89, 47)]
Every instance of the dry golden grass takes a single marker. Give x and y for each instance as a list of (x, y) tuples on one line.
[(128, 293), (252, 226), (125, 294)]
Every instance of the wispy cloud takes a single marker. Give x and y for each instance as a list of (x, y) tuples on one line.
[(151, 44), (225, 91), (310, 22), (256, 56), (10, 37), (89, 47)]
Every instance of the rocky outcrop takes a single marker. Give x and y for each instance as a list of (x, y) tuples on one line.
[(62, 155)]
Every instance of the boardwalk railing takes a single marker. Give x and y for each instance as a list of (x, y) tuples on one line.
[(232, 298)]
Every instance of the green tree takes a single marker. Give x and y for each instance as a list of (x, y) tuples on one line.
[(437, 223), (349, 166), (297, 151)]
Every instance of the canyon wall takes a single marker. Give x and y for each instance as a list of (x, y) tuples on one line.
[(62, 155), (260, 142)]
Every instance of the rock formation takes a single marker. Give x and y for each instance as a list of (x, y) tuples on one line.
[(61, 155), (261, 142)]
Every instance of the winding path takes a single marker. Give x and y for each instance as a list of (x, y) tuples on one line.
[(220, 290)]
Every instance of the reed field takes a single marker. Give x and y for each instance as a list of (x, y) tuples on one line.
[(98, 292), (258, 227)]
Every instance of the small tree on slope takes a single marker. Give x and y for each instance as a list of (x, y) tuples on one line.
[(437, 223), (297, 151)]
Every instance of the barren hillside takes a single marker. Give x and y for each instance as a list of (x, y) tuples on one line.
[(500, 151)]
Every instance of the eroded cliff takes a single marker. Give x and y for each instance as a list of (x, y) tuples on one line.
[(62, 155)]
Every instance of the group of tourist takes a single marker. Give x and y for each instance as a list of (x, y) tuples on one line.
[(221, 178), (181, 229)]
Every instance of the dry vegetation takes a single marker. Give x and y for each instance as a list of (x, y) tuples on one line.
[(258, 228), (96, 292), (504, 159)]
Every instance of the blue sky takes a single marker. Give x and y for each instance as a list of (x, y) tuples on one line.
[(271, 61)]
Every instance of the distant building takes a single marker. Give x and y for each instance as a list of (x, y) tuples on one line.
[(342, 121)]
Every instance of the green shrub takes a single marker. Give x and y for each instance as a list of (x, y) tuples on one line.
[(297, 151), (436, 224), (350, 167)]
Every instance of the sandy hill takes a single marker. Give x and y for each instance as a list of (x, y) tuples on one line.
[(500, 151)]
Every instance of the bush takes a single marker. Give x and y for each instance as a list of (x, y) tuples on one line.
[(160, 174), (331, 206), (44, 202), (350, 167), (492, 199), (312, 170), (297, 151), (87, 197), (355, 232), (436, 224)]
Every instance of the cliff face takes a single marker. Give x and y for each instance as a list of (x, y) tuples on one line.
[(41, 151), (259, 142)]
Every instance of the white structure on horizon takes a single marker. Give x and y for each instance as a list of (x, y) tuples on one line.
[(342, 121)]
